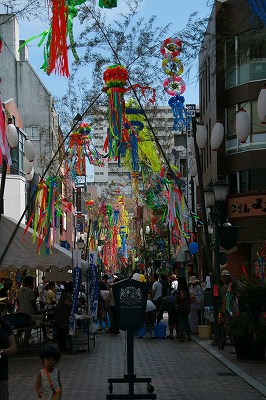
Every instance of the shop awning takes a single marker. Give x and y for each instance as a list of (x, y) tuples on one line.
[(22, 253)]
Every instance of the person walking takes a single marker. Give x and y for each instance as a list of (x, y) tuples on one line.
[(168, 304), (26, 300), (48, 384), (7, 348), (62, 314), (157, 292), (173, 282), (196, 302), (183, 310)]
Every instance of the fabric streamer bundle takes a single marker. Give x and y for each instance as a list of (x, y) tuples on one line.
[(46, 215), (55, 37), (4, 147), (80, 147), (174, 85), (115, 78)]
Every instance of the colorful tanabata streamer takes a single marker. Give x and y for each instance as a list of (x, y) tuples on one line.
[(115, 78), (174, 84), (4, 146), (80, 148), (46, 215), (55, 37)]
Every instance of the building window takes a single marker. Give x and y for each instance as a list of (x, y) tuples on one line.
[(257, 183), (244, 177), (232, 183), (257, 136), (33, 132), (245, 58)]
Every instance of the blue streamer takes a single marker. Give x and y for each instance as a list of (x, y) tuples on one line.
[(181, 117)]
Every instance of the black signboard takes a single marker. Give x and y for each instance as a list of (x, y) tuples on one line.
[(130, 299)]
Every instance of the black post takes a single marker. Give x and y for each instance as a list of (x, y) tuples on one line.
[(130, 359)]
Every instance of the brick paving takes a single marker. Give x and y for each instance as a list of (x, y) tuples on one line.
[(183, 371)]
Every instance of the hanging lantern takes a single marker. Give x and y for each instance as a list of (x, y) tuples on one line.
[(29, 150), (193, 170), (29, 176), (262, 105), (12, 135), (201, 136), (217, 136), (242, 125), (27, 165)]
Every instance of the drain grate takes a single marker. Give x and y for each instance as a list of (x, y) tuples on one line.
[(225, 373)]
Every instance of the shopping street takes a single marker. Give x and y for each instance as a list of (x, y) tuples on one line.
[(189, 371)]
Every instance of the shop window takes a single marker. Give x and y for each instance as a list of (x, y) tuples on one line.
[(257, 182), (244, 181), (232, 182)]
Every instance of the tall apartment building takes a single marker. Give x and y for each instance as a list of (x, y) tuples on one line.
[(232, 72)]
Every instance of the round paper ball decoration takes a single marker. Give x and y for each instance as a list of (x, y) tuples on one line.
[(262, 106), (136, 277), (193, 248), (29, 150), (29, 176), (217, 136), (242, 125), (27, 165), (12, 135), (201, 136)]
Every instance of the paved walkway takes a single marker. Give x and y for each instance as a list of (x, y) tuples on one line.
[(179, 371)]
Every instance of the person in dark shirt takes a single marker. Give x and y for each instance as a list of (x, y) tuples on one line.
[(7, 348), (102, 311)]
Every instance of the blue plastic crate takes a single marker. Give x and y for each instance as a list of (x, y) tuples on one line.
[(160, 330), (142, 331)]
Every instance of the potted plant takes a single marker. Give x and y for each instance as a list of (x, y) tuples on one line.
[(239, 328)]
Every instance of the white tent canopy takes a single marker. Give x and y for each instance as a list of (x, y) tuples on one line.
[(22, 253)]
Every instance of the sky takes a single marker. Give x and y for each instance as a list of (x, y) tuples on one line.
[(167, 11)]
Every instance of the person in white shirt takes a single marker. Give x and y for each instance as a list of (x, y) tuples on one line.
[(157, 292), (174, 282)]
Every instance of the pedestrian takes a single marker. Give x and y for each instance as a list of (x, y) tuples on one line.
[(112, 310), (165, 285), (62, 314), (7, 348), (207, 283), (102, 297), (196, 303), (48, 384), (5, 292), (173, 282), (150, 319), (183, 310), (157, 292), (26, 300), (168, 304)]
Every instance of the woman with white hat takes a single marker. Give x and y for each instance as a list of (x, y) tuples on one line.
[(196, 298)]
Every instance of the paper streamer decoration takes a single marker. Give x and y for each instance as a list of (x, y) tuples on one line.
[(174, 85), (55, 37)]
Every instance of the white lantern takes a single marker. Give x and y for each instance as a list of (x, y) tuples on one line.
[(217, 136), (262, 105), (242, 125), (193, 170), (201, 136), (12, 135), (29, 176), (29, 150), (27, 165)]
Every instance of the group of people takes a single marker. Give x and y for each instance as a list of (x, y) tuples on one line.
[(181, 300)]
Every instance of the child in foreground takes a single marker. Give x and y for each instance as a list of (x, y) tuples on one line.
[(48, 385)]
